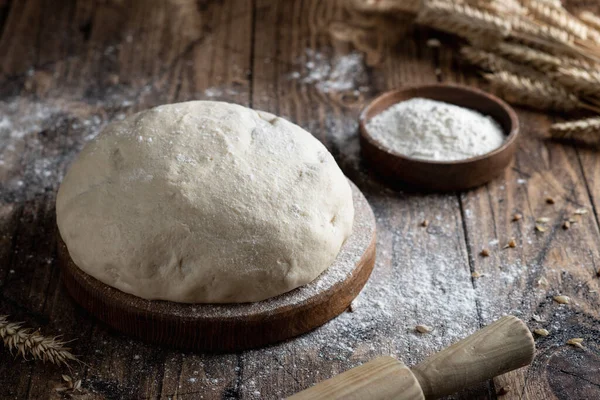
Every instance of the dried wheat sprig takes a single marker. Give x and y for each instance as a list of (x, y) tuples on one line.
[(493, 62), (549, 3), (579, 80), (578, 128), (529, 30), (463, 20), (27, 342), (551, 39), (538, 94), (387, 6), (590, 19), (559, 18), (538, 59), (499, 7)]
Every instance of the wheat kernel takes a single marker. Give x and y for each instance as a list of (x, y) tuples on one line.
[(577, 342), (541, 332), (562, 299), (540, 228), (517, 217)]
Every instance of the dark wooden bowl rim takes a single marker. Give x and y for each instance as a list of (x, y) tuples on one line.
[(511, 136)]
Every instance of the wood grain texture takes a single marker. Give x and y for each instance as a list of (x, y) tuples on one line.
[(503, 346), (500, 347), (382, 378), (69, 67)]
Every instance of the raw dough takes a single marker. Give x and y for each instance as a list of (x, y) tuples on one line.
[(204, 202)]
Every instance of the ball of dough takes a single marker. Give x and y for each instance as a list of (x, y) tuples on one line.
[(204, 202)]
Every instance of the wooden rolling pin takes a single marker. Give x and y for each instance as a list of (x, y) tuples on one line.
[(496, 349)]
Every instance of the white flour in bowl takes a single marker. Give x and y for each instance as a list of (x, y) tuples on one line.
[(434, 130)]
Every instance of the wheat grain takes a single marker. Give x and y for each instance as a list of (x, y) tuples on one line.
[(495, 63), (547, 33), (538, 94), (499, 7), (582, 81), (27, 342), (582, 127), (590, 19), (538, 59), (549, 3), (558, 18), (469, 22), (387, 6)]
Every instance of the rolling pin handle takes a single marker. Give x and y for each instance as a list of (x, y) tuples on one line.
[(384, 378), (496, 349)]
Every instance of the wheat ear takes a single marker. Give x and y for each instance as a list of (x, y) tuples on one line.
[(496, 63), (559, 18), (578, 128), (538, 94), (539, 59), (463, 20), (499, 7), (549, 3), (386, 6), (27, 342), (582, 81), (590, 19)]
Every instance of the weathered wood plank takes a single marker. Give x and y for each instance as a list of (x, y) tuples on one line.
[(70, 67), (411, 259), (73, 88), (562, 260)]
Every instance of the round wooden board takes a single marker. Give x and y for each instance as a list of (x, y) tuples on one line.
[(232, 327)]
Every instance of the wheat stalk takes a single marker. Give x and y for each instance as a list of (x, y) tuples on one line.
[(582, 81), (539, 59), (590, 19), (387, 6), (526, 29), (27, 342), (549, 3), (496, 63), (559, 18), (578, 128), (534, 93), (463, 20), (586, 130), (499, 6)]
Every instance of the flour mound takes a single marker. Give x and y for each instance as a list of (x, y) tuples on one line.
[(434, 130)]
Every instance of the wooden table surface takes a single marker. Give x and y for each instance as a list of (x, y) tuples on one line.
[(69, 67)]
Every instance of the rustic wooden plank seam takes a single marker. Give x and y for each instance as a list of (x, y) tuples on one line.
[(4, 16)]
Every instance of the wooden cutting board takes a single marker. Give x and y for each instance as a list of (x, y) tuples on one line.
[(232, 327)]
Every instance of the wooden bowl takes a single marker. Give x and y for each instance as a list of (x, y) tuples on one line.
[(232, 327), (441, 175)]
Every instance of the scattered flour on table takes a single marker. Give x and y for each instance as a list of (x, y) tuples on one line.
[(434, 130), (39, 137), (341, 73)]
